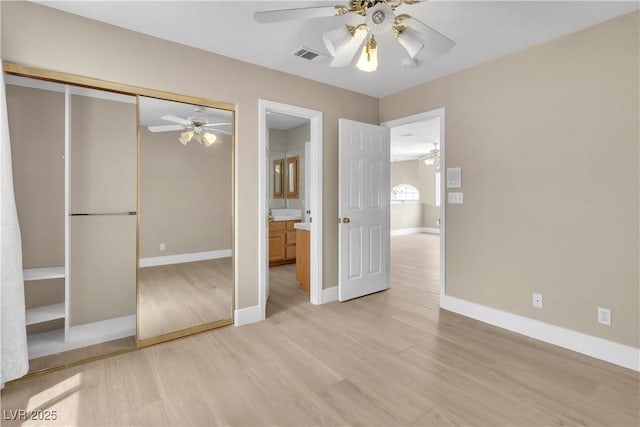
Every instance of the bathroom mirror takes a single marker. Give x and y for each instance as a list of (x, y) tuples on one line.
[(278, 181), (288, 140), (185, 279), (292, 178)]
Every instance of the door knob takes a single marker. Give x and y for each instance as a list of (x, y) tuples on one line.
[(346, 220)]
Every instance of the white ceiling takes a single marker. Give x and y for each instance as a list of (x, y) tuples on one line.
[(152, 110), (414, 140), (284, 121), (482, 31)]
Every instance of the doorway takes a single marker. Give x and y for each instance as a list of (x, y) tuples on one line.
[(278, 173), (418, 188)]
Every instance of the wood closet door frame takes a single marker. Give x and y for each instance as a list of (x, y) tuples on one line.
[(88, 82)]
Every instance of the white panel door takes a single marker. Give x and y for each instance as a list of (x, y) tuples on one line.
[(363, 208)]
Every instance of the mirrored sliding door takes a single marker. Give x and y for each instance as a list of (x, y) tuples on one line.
[(185, 280)]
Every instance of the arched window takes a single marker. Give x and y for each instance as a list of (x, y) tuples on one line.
[(403, 193)]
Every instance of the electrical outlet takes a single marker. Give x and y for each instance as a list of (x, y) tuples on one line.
[(537, 300), (163, 246), (604, 316)]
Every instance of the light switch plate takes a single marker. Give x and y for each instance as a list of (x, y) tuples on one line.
[(454, 178), (455, 198)]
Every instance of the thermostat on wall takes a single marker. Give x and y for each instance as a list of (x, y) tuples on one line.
[(454, 178)]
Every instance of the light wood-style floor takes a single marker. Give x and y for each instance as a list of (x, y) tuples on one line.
[(178, 296), (392, 358)]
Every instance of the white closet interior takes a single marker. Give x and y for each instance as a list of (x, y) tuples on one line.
[(74, 160)]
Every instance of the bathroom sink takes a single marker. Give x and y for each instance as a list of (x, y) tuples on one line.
[(286, 217), (286, 214)]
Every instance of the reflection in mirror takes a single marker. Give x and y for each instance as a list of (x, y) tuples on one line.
[(186, 232), (278, 168), (292, 178)]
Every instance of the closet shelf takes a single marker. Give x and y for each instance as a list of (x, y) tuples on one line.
[(46, 343), (43, 273), (45, 313)]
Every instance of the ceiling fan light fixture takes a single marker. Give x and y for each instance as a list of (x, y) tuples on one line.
[(410, 39), (185, 137), (368, 61), (380, 18), (336, 40), (209, 139)]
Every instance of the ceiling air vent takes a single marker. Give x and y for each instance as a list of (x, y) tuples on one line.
[(308, 54)]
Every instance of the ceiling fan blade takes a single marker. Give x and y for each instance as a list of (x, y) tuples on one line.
[(216, 124), (300, 13), (224, 132), (165, 128), (177, 119), (435, 43), (345, 54), (396, 3)]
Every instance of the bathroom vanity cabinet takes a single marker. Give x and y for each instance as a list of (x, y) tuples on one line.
[(303, 262), (282, 242)]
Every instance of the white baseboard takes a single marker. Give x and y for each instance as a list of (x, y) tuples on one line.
[(329, 294), (609, 351), (245, 316), (430, 230), (180, 258), (416, 230)]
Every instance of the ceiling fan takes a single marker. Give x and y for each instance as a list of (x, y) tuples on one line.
[(432, 157), (343, 42), (197, 127)]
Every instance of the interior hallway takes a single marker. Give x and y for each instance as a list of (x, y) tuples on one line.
[(391, 358)]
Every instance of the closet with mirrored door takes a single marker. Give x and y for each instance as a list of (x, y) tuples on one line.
[(125, 210)]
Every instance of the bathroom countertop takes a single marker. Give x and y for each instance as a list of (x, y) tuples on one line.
[(286, 217), (286, 214), (302, 226)]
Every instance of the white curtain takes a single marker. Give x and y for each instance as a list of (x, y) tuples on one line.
[(14, 358)]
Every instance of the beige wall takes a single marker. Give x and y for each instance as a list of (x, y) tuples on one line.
[(103, 180), (37, 152), (547, 139), (405, 215), (185, 195), (427, 187), (42, 37), (103, 155), (415, 215), (103, 267), (38, 176)]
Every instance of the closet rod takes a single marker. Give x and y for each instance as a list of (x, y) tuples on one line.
[(102, 214)]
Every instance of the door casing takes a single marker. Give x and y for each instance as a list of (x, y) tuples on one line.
[(315, 119), (432, 114)]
